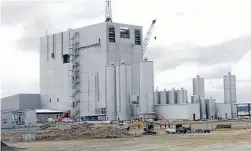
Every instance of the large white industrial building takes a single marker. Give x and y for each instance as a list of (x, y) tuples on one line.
[(99, 70), (86, 84)]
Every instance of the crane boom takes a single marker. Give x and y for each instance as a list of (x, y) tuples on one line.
[(148, 36)]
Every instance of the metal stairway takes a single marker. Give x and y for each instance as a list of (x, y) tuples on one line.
[(74, 69)]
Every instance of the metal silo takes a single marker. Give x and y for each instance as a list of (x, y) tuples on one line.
[(134, 110), (234, 110), (227, 93), (184, 96), (146, 97), (233, 88), (198, 87), (171, 96), (195, 99), (156, 97), (203, 111), (181, 96), (211, 108), (111, 111), (229, 88), (122, 94), (163, 97)]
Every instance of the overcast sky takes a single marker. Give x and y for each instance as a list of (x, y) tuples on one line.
[(209, 37)]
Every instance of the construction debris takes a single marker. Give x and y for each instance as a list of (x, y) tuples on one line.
[(220, 126), (5, 147), (82, 131)]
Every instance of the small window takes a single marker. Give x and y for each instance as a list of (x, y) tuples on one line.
[(137, 37), (50, 100), (66, 58), (57, 99), (124, 32), (111, 34)]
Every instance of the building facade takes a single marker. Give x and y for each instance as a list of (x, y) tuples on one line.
[(93, 48)]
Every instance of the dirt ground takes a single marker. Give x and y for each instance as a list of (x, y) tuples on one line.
[(230, 140), (236, 139)]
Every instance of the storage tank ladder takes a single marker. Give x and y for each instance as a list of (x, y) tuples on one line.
[(74, 66)]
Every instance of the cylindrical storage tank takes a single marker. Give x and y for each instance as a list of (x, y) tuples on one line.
[(171, 96), (146, 75), (134, 111), (234, 111), (184, 96), (180, 96), (198, 87), (203, 110), (227, 89), (156, 97), (163, 97), (195, 99), (123, 101), (111, 111), (211, 108), (233, 88)]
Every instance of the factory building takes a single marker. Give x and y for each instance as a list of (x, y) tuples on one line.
[(198, 87), (98, 69), (229, 82)]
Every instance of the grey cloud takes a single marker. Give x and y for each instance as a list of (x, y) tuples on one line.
[(20, 12), (37, 17), (215, 72), (226, 52), (230, 51)]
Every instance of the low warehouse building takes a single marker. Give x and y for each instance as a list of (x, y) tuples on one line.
[(178, 111), (20, 101), (44, 114)]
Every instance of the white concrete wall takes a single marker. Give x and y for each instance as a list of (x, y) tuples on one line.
[(30, 117), (178, 111), (223, 110)]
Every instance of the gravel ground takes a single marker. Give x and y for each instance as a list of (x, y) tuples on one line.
[(232, 140)]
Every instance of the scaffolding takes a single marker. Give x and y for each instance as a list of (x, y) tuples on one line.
[(74, 73)]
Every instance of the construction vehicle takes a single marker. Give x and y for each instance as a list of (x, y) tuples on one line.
[(66, 114), (149, 128), (125, 126)]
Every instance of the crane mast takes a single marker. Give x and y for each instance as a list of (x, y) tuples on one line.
[(148, 37), (108, 11)]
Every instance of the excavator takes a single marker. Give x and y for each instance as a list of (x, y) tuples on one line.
[(66, 114), (149, 128)]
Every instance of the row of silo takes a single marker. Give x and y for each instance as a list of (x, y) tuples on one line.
[(208, 108), (170, 97), (120, 103), (118, 92)]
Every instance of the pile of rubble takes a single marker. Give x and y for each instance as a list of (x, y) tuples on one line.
[(82, 131), (5, 147)]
